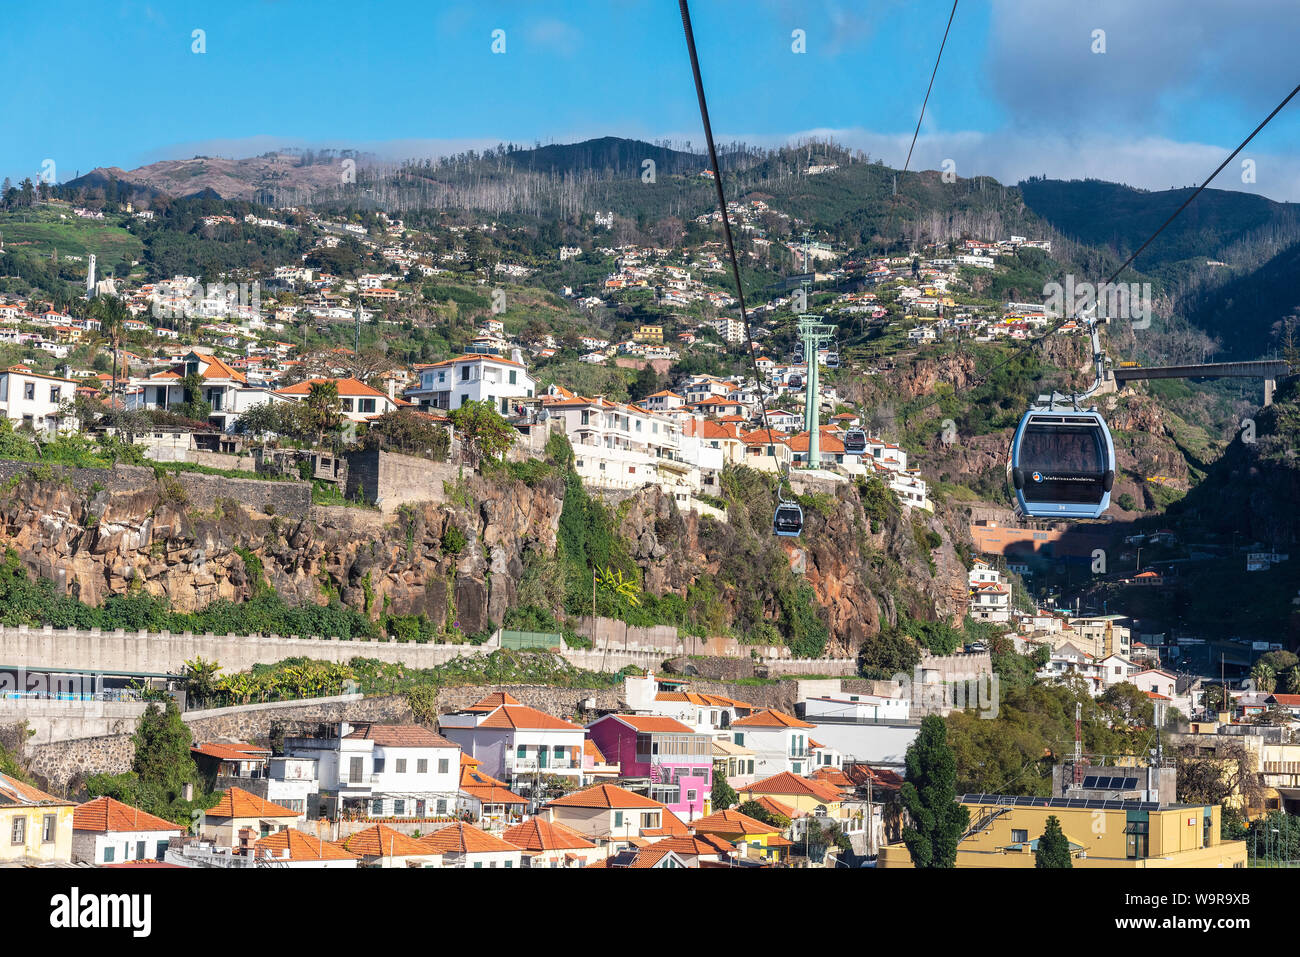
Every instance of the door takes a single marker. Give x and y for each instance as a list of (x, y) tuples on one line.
[(542, 754)]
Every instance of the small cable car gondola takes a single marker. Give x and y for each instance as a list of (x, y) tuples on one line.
[(788, 520), (832, 360), (1062, 464), (855, 441), (796, 381)]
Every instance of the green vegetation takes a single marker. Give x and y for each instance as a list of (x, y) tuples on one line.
[(1053, 849), (160, 769), (930, 796)]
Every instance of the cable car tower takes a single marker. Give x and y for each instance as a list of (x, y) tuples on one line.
[(813, 333)]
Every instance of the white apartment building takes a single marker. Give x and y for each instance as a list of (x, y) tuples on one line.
[(516, 743), (990, 595), (383, 770), (779, 742), (856, 708), (34, 400), (625, 446), (450, 384)]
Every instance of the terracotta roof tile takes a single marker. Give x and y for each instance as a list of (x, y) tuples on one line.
[(517, 716), (465, 839), (732, 822), (238, 803), (787, 783), (536, 834), (770, 718), (300, 847), (383, 841), (606, 796), (14, 792), (400, 736), (106, 814)]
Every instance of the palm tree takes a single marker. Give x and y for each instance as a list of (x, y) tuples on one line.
[(323, 406), (112, 314)]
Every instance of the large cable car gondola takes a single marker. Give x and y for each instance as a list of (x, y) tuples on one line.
[(832, 360), (855, 441), (788, 520), (1062, 464), (796, 381)]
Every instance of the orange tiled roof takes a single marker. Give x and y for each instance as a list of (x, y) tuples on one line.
[(773, 806), (606, 796), (465, 839), (232, 750), (383, 841), (538, 835), (771, 718), (517, 716), (654, 723), (237, 803), (733, 822), (590, 748), (301, 847), (400, 736), (787, 783), (16, 793), (106, 814), (670, 826), (493, 700), (348, 386)]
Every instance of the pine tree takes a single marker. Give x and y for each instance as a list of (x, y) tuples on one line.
[(930, 797), (1053, 846)]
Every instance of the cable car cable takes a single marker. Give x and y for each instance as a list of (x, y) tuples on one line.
[(933, 73), (731, 248), (981, 379)]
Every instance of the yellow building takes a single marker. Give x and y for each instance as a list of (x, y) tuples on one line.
[(34, 826), (1004, 832), (649, 334), (761, 840)]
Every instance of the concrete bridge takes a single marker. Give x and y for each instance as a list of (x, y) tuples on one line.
[(1270, 370)]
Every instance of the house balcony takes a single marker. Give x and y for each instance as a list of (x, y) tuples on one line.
[(362, 785)]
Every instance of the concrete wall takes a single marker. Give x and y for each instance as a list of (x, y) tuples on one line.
[(390, 479), (52, 720), (163, 652), (950, 667)]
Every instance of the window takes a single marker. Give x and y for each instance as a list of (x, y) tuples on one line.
[(354, 770), (401, 765), (1019, 836), (399, 807), (509, 863), (513, 376), (1136, 838), (464, 373), (521, 752), (47, 829), (377, 808), (55, 394), (751, 766), (345, 405), (618, 820), (19, 833), (421, 765), (29, 391), (379, 765), (442, 806), (109, 854), (738, 737), (442, 765), (365, 405), (691, 795)]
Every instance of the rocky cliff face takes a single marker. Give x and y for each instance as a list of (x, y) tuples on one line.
[(109, 542), (106, 543)]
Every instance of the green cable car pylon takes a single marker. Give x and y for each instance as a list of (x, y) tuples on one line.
[(813, 333)]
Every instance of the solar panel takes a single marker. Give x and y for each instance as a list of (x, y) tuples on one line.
[(1103, 784), (1090, 781), (1130, 784)]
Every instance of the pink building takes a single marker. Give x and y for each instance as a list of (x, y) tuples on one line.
[(676, 761)]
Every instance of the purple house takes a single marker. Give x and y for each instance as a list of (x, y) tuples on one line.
[(676, 761)]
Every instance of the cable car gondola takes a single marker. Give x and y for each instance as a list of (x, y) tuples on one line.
[(796, 381), (855, 441), (832, 360), (1062, 464), (788, 520)]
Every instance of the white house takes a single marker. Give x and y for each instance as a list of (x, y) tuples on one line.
[(516, 743), (106, 831), (357, 401), (473, 378), (384, 770), (779, 742), (33, 399), (990, 597), (856, 708)]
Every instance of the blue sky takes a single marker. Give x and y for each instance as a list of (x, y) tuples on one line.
[(1020, 92)]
